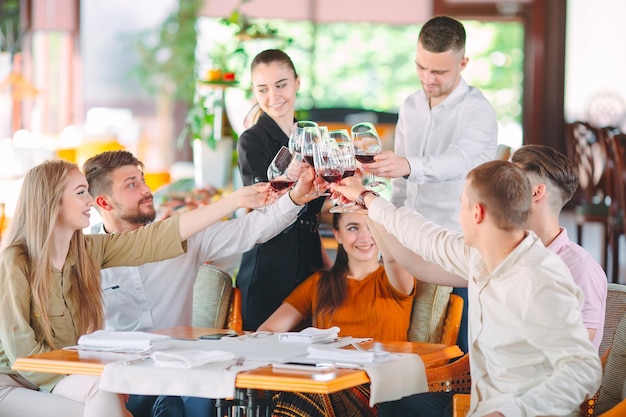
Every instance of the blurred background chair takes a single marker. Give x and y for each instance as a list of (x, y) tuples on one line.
[(211, 297), (616, 154), (503, 152), (586, 148)]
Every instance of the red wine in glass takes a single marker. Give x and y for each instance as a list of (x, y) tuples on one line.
[(281, 184), (309, 159), (348, 173), (365, 158), (331, 175)]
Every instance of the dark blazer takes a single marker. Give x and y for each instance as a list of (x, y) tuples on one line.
[(271, 270)]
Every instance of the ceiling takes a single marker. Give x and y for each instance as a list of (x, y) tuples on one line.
[(399, 12)]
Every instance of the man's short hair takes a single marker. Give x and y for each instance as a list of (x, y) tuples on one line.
[(503, 189), (441, 34), (558, 171), (97, 170)]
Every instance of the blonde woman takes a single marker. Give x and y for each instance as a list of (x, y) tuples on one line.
[(50, 280)]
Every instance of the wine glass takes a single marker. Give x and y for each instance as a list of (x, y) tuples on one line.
[(296, 138), (367, 144), (310, 134), (348, 162), (327, 160), (280, 173), (315, 141)]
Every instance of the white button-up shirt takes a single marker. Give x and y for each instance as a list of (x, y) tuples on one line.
[(442, 145), (530, 353), (159, 295)]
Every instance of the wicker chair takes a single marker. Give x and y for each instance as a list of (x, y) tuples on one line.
[(451, 377), (428, 316), (211, 297), (615, 309), (611, 399)]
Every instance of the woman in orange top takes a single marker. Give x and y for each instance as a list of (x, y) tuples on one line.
[(357, 294)]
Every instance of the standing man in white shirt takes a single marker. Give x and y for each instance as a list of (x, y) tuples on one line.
[(444, 130), (158, 295)]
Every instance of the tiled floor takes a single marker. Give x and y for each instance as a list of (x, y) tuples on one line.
[(592, 242)]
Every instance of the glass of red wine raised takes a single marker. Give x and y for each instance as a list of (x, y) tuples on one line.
[(281, 173), (326, 159), (367, 145), (348, 162)]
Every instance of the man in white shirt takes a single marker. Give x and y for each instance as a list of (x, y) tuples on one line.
[(443, 131), (530, 353), (158, 295)]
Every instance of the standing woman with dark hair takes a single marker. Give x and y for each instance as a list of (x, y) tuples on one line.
[(271, 270), (357, 294), (50, 280)]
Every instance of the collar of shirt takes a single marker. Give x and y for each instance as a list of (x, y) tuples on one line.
[(560, 242), (483, 277), (456, 95)]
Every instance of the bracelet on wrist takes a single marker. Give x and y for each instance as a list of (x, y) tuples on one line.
[(361, 199)]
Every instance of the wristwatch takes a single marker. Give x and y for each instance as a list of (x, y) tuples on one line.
[(360, 201)]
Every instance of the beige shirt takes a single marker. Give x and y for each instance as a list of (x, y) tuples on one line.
[(21, 331)]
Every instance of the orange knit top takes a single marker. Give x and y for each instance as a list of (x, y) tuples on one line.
[(373, 308)]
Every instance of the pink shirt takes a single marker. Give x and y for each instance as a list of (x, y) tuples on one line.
[(591, 279)]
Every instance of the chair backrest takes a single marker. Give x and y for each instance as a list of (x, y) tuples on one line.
[(586, 149), (503, 152), (211, 297), (235, 317), (615, 309), (429, 313), (453, 376), (618, 177), (452, 325), (614, 377)]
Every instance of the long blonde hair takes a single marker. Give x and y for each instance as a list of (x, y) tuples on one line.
[(30, 235)]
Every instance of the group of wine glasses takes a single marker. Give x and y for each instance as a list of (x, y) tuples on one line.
[(333, 155)]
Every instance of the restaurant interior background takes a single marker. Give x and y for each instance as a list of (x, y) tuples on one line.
[(81, 76)]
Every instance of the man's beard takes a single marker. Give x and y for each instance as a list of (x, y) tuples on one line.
[(139, 217)]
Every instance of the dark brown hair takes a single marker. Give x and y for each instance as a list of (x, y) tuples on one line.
[(504, 190), (441, 34), (558, 171), (97, 170), (273, 55), (332, 287)]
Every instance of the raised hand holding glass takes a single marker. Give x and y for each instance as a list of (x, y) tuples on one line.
[(367, 144)]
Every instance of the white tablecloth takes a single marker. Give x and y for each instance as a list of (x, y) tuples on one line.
[(401, 375)]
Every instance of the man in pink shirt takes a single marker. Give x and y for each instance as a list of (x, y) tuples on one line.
[(554, 179)]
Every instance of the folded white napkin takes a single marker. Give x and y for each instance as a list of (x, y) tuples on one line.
[(341, 355), (190, 358), (123, 341), (310, 335)]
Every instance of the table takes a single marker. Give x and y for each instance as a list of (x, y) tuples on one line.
[(266, 378)]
